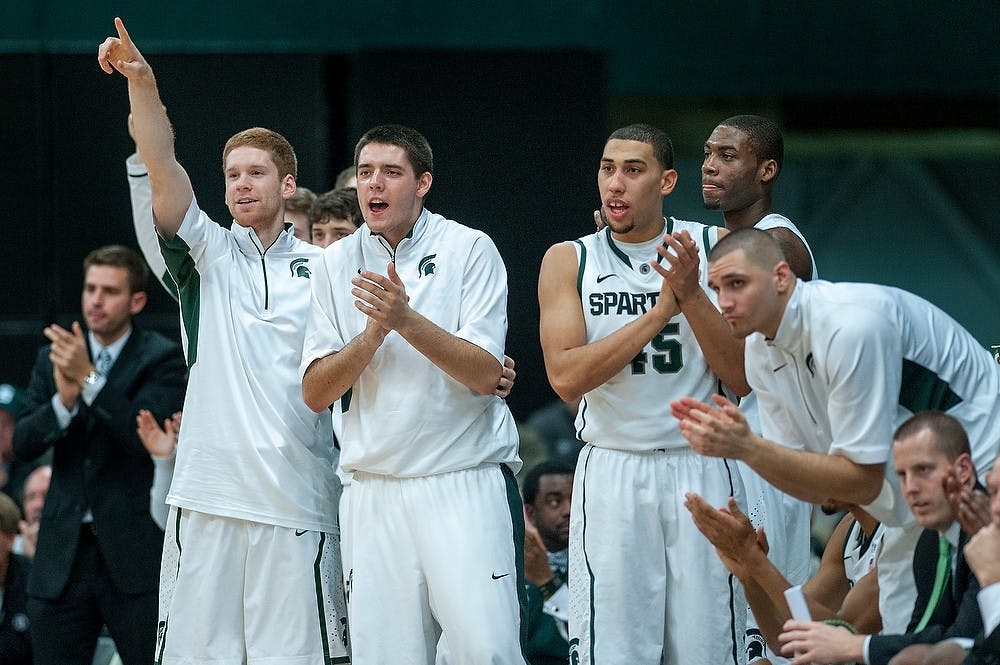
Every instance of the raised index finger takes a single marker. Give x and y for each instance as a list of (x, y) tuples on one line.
[(122, 32)]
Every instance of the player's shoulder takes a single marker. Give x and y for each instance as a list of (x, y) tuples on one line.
[(847, 310), (344, 251), (572, 248), (439, 226), (827, 297), (774, 220), (699, 231), (304, 249), (675, 224)]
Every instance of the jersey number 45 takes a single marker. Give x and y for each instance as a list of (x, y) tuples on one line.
[(667, 356)]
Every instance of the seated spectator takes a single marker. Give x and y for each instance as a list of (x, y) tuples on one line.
[(35, 491), (15, 641), (983, 555), (927, 449), (548, 492)]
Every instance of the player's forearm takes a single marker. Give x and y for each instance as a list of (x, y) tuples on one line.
[(860, 605), (815, 477), (765, 592), (722, 351), (327, 379), (769, 618), (470, 365), (154, 139), (576, 371)]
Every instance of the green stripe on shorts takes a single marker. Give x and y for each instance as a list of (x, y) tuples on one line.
[(321, 601)]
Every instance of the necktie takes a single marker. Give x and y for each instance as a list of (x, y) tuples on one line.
[(103, 362), (941, 576)]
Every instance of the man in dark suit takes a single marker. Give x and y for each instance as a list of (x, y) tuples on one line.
[(983, 554), (927, 449), (98, 555)]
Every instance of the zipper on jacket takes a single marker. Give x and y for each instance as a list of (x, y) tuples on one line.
[(388, 248), (263, 269)]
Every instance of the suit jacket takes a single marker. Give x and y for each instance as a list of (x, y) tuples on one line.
[(956, 614), (99, 463)]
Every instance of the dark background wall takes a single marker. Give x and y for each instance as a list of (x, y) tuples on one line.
[(891, 112)]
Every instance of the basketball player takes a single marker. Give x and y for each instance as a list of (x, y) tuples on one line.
[(405, 339), (252, 531), (743, 159), (622, 331), (836, 367)]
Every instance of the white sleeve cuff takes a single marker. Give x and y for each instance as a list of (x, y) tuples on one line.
[(134, 167), (92, 390), (989, 605), (63, 415), (163, 474)]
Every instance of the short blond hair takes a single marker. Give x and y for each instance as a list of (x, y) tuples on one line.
[(274, 143)]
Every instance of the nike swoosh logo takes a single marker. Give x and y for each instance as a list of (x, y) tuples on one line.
[(601, 278), (301, 532), (496, 577), (779, 367)]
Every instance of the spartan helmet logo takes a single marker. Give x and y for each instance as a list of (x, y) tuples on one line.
[(300, 268), (427, 265)]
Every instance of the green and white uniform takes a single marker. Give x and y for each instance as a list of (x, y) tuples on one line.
[(785, 519), (251, 456), (849, 364), (431, 518), (644, 583)]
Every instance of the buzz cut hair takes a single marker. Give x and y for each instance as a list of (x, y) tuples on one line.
[(948, 434), (663, 149), (120, 256), (763, 135), (760, 247), (281, 151), (413, 143)]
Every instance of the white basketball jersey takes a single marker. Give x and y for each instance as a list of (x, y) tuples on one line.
[(861, 552), (776, 221), (631, 411)]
